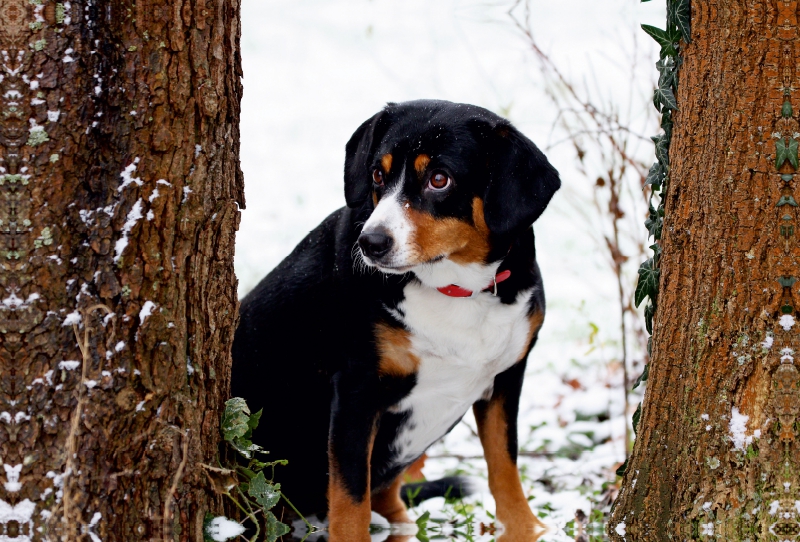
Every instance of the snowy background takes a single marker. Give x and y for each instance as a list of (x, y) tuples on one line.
[(315, 69)]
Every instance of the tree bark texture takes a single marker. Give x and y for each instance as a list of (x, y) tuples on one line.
[(717, 447), (119, 185)]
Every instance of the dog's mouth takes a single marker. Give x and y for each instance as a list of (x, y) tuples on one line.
[(401, 269)]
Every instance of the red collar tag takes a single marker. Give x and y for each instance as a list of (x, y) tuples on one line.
[(454, 290)]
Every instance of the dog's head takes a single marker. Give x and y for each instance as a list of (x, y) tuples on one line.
[(448, 184)]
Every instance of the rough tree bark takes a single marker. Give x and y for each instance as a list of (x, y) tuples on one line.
[(717, 448), (119, 185)]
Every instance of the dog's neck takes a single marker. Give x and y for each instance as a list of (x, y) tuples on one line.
[(472, 276)]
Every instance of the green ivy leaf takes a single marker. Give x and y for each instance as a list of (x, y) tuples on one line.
[(636, 416), (665, 79), (642, 377), (252, 423), (235, 419), (649, 309), (673, 33), (682, 15), (786, 149), (655, 247), (662, 148), (647, 285), (275, 528), (657, 34), (654, 223), (624, 467), (266, 495), (666, 123), (655, 177), (786, 109), (663, 98), (238, 425)]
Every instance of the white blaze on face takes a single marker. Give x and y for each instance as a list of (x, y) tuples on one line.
[(390, 215)]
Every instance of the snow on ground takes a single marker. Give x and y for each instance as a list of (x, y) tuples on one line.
[(315, 69)]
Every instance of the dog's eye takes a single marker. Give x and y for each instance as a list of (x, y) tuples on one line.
[(439, 181), (377, 177)]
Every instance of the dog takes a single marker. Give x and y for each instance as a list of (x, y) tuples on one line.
[(418, 300)]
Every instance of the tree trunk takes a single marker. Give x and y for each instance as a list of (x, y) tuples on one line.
[(119, 184), (717, 448)]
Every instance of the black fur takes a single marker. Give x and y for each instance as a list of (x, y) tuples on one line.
[(305, 347)]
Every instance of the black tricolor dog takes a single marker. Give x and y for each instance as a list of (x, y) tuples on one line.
[(419, 299)]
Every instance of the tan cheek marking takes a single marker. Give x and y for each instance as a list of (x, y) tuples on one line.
[(386, 163), (348, 518), (394, 351), (374, 198), (387, 502), (421, 163), (462, 242), (512, 505)]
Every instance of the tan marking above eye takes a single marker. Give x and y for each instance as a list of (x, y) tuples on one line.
[(386, 162), (421, 163), (459, 240)]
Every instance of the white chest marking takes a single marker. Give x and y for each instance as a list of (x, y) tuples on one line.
[(462, 344)]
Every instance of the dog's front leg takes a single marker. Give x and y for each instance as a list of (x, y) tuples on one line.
[(352, 432), (497, 428)]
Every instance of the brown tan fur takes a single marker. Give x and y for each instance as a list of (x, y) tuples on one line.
[(414, 470), (421, 164), (349, 518), (394, 351), (460, 241), (512, 507), (387, 502), (386, 163), (535, 320)]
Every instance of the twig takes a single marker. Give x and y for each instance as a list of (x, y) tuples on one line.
[(169, 500), (72, 437)]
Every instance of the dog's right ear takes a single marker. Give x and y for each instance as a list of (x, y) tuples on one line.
[(358, 154)]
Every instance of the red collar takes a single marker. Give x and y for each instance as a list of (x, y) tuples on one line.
[(454, 290)]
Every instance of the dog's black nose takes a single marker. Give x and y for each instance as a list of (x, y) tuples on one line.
[(375, 244)]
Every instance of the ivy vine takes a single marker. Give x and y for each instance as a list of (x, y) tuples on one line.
[(678, 30)]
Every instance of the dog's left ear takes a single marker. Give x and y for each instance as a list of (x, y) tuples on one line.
[(521, 180), (358, 153)]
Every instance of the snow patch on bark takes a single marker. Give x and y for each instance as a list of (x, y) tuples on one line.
[(738, 429), (21, 512), (73, 318), (127, 176), (68, 365), (146, 311), (786, 322), (221, 528), (12, 484), (134, 216)]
